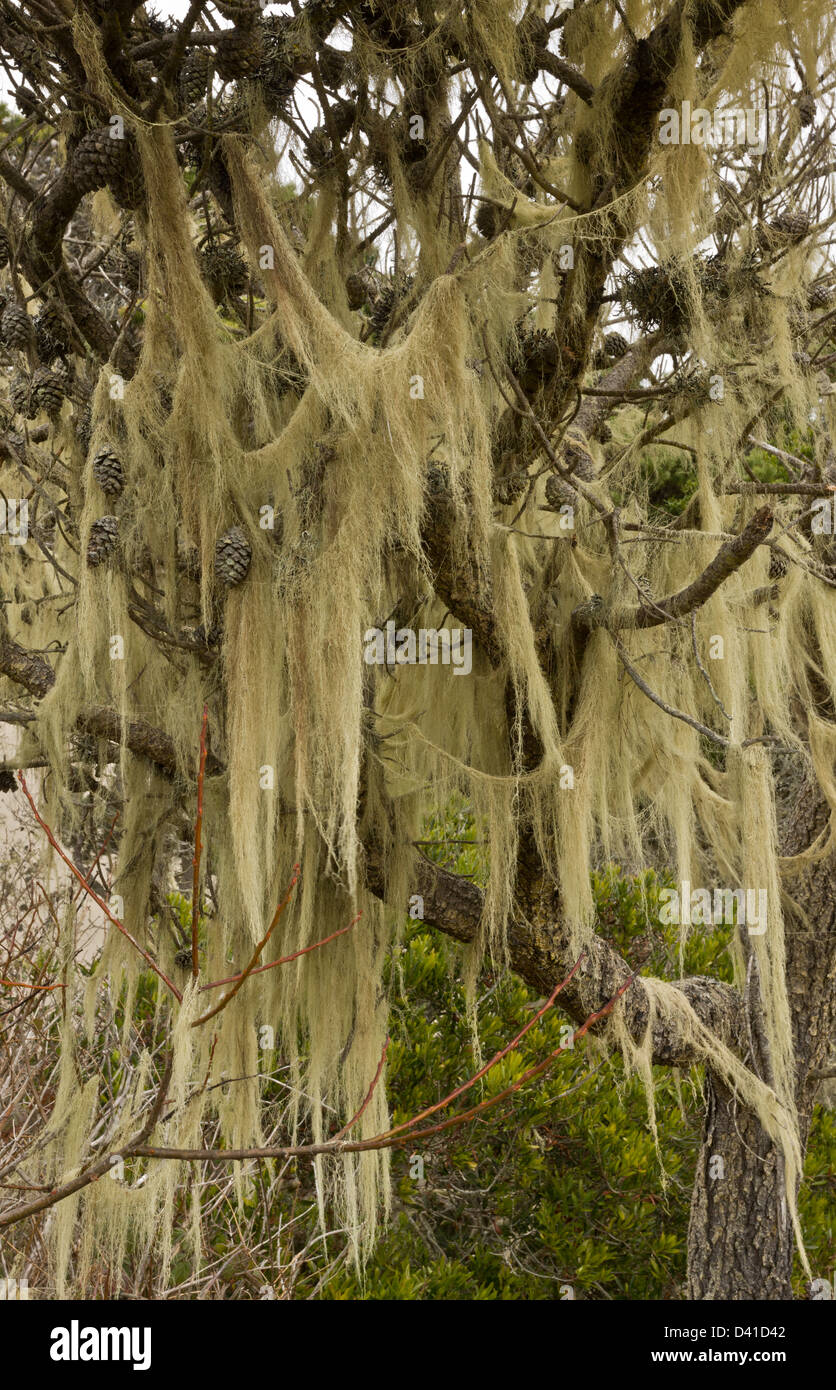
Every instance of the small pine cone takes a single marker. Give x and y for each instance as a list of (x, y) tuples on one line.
[(103, 536), (99, 158), (126, 265), (184, 958), (336, 66), (194, 76), (51, 336), (778, 565), (807, 108), (212, 638), (360, 286), (224, 269), (819, 296), (437, 482), (791, 224), (84, 427), (16, 327), (488, 220), (558, 492), (277, 83), (538, 352), (20, 394), (11, 443), (108, 472), (577, 456), (47, 391), (240, 53), (615, 345), (381, 309), (508, 490), (5, 248), (233, 554), (318, 146)]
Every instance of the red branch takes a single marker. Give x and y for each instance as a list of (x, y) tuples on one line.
[(21, 984), (198, 842), (105, 843), (283, 960), (139, 1149), (239, 979), (489, 1065), (352, 1122), (529, 1075), (92, 894)]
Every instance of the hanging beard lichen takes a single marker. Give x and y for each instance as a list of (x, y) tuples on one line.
[(333, 483)]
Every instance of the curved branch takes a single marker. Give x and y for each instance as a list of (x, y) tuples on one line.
[(453, 905)]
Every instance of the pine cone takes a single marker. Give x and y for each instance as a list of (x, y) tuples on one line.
[(437, 482), (791, 226), (194, 76), (51, 336), (318, 146), (538, 352), (47, 391), (615, 345), (360, 286), (389, 299), (16, 327), (807, 109), (277, 83), (819, 296), (508, 490), (212, 638), (558, 492), (577, 455), (99, 158), (108, 472), (5, 248), (240, 52), (224, 269), (654, 297), (381, 310), (20, 396), (84, 427), (103, 536), (233, 554), (488, 220)]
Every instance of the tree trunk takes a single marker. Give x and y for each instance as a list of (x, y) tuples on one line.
[(740, 1239)]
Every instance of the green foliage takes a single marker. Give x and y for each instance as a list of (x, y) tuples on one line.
[(557, 1192), (671, 480)]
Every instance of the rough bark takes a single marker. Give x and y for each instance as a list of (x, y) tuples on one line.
[(740, 1243)]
